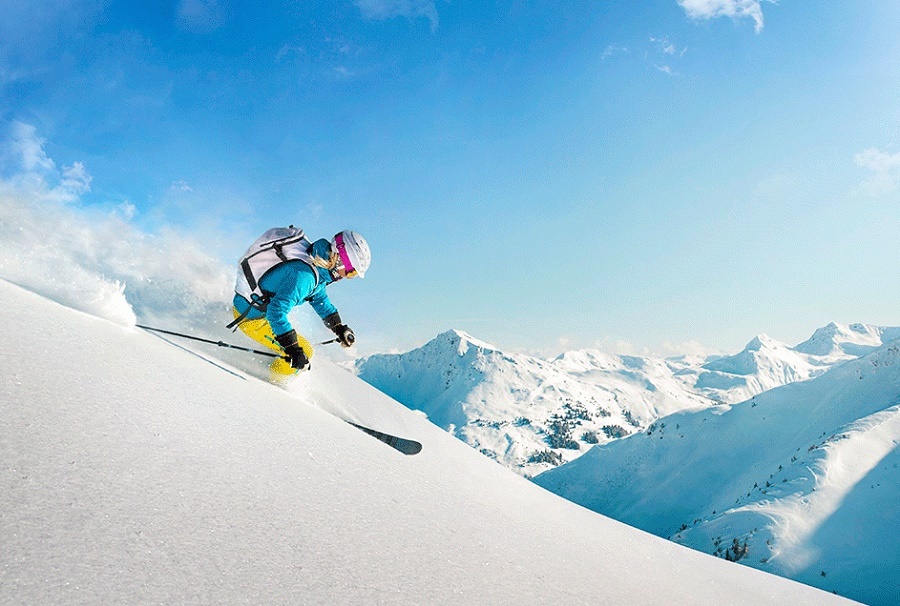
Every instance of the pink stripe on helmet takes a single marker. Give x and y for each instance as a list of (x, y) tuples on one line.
[(342, 251)]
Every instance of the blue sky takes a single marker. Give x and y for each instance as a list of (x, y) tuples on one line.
[(544, 175)]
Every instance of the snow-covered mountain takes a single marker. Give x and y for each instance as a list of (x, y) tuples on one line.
[(136, 471), (532, 414), (802, 480), (839, 342), (763, 364), (766, 363)]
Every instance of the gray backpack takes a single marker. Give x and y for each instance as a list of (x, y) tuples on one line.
[(278, 245)]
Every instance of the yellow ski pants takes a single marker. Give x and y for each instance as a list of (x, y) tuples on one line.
[(260, 331)]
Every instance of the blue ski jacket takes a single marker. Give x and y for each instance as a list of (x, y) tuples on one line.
[(291, 284)]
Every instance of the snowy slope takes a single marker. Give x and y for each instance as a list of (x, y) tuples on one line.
[(529, 414), (135, 472), (804, 477)]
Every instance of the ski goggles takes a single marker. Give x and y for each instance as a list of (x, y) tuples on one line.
[(345, 258), (346, 264)]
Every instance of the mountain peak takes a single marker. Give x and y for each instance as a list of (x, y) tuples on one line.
[(839, 339), (763, 341), (761, 355), (461, 341)]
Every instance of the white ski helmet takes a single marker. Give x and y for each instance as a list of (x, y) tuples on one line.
[(353, 251)]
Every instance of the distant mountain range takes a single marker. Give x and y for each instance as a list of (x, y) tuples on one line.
[(533, 414), (766, 363), (783, 458)]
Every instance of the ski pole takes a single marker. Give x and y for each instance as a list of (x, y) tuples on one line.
[(219, 343), (222, 343)]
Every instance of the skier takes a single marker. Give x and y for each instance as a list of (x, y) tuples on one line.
[(283, 270)]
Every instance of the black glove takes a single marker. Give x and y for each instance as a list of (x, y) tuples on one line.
[(292, 349), (344, 333), (346, 336)]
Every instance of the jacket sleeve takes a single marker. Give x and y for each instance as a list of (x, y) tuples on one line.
[(290, 284), (321, 303)]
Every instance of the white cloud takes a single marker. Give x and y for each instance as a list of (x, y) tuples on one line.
[(25, 149), (28, 168), (736, 9), (126, 211), (885, 171), (687, 348), (388, 9), (180, 187), (626, 348), (877, 160), (666, 69), (663, 53), (665, 46), (611, 50), (76, 179), (666, 349)]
